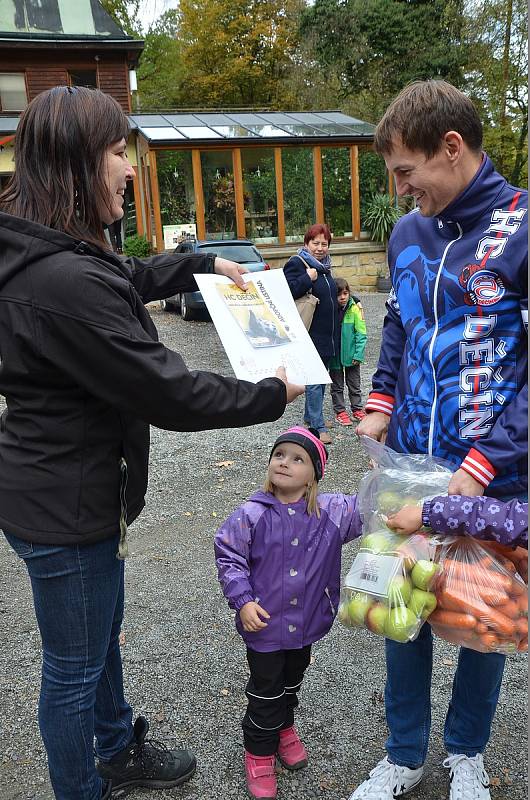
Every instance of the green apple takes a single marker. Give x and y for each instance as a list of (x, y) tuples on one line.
[(422, 603), (401, 624), (388, 502), (376, 542), (399, 591), (342, 614), (376, 618), (423, 574), (410, 500), (358, 608)]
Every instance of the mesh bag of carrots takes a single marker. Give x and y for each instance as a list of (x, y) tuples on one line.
[(388, 589), (482, 600)]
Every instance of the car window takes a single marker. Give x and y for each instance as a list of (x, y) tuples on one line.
[(240, 253)]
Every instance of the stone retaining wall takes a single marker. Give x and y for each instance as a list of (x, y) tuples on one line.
[(357, 262)]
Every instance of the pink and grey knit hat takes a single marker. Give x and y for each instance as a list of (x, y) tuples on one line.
[(307, 438)]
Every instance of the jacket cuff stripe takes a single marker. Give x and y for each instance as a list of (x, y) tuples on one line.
[(476, 465), (380, 402)]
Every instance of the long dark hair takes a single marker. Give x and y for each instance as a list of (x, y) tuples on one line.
[(60, 145)]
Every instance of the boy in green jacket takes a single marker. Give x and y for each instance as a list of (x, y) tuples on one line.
[(348, 363)]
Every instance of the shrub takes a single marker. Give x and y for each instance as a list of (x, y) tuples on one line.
[(380, 217), (137, 246)]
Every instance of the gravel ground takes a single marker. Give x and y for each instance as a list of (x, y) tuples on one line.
[(184, 664)]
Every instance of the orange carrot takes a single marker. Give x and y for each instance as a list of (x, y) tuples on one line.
[(453, 635), (510, 609), (521, 626), (489, 640), (517, 588), (453, 619), (476, 574), (490, 595), (481, 627), (456, 601), (523, 645), (522, 602)]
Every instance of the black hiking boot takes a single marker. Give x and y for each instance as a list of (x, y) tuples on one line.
[(146, 763), (106, 791)]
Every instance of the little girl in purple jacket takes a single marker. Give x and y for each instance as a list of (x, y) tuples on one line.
[(278, 560)]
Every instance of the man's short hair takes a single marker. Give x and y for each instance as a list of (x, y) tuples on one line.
[(421, 115)]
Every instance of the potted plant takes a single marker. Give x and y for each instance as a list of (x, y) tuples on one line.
[(379, 219)]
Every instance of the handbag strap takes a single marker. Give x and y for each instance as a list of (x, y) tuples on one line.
[(302, 259)]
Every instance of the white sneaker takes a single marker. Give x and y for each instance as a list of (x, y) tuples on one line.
[(388, 781), (469, 779)]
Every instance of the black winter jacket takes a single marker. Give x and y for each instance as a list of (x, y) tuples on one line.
[(324, 330), (84, 375)]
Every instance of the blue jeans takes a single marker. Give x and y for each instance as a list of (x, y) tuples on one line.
[(476, 688), (314, 405), (78, 596)]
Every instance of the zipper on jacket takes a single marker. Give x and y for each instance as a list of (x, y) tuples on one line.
[(433, 340), (123, 549), (333, 329), (326, 592)]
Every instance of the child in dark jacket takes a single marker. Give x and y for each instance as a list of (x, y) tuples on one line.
[(278, 560), (347, 365), (482, 517)]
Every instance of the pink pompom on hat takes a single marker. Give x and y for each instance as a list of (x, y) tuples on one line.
[(309, 439)]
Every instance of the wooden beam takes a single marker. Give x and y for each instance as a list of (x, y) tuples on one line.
[(147, 195), (199, 194), (355, 195), (279, 194), (140, 225), (319, 194), (155, 194), (239, 195), (391, 191)]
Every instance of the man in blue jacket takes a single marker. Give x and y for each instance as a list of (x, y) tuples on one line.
[(451, 381)]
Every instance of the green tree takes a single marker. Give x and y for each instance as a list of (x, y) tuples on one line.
[(496, 41), (375, 47), (125, 14), (160, 72), (236, 52)]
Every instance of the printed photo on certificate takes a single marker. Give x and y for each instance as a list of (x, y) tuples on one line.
[(260, 328)]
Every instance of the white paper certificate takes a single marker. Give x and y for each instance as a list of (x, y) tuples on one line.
[(261, 329)]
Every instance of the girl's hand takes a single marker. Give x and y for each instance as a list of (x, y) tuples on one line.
[(355, 363), (406, 521), (313, 274), (222, 266), (250, 615)]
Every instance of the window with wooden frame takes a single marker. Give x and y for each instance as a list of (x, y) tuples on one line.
[(83, 77), (13, 95)]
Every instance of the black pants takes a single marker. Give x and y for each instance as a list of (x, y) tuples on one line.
[(275, 680), (353, 382)]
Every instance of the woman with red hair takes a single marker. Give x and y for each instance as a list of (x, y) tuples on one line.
[(310, 271)]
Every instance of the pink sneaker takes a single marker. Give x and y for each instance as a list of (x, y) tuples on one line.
[(359, 414), (291, 751), (343, 418), (261, 776)]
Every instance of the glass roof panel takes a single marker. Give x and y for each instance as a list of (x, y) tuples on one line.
[(250, 119), (155, 120), (159, 134), (337, 116), (215, 119), (182, 120), (234, 131), (267, 130), (199, 132)]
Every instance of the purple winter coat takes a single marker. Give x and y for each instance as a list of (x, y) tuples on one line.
[(288, 562), (482, 517)]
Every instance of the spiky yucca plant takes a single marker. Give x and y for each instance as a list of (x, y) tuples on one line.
[(380, 217)]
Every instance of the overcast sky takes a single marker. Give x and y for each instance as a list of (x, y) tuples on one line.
[(150, 10)]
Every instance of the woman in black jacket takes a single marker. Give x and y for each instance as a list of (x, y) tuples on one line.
[(310, 270), (84, 375)]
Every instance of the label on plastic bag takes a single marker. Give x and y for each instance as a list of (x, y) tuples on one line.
[(372, 572)]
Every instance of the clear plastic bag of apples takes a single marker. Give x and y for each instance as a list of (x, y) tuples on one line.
[(388, 589)]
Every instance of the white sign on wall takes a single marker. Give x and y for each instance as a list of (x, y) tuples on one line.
[(175, 234)]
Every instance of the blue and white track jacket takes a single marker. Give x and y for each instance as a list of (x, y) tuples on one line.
[(452, 371)]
